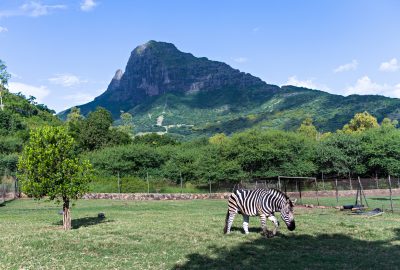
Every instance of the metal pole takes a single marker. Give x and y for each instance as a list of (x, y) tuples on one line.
[(337, 192), (316, 190), (351, 186), (180, 173), (390, 189), (301, 201), (279, 182), (119, 184), (148, 184), (362, 193)]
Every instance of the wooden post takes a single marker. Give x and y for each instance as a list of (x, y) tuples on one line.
[(323, 182), (209, 182), (316, 190), (148, 184), (390, 192), (279, 182), (119, 184), (337, 192)]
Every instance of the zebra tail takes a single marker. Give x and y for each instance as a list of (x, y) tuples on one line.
[(226, 222)]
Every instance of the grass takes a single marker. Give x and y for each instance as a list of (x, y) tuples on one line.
[(188, 235)]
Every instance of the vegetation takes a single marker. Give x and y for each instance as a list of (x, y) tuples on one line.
[(18, 115), (361, 147), (48, 167), (188, 235)]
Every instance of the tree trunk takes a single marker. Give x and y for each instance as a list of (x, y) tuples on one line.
[(66, 215)]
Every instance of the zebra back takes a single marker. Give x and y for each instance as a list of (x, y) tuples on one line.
[(257, 201)]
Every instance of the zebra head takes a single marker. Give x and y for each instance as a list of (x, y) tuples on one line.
[(287, 214)]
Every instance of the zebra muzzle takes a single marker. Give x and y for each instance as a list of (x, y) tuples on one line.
[(291, 226)]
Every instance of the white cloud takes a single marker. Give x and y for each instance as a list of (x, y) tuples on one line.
[(365, 86), (66, 80), (347, 67), (36, 8), (241, 60), (88, 5), (3, 29), (33, 8), (309, 83), (39, 92), (389, 66)]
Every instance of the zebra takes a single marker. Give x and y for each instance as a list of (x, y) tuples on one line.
[(262, 202)]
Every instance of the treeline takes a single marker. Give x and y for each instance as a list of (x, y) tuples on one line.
[(362, 147)]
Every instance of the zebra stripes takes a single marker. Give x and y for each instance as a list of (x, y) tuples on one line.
[(262, 202)]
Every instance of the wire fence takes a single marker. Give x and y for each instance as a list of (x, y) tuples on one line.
[(8, 189)]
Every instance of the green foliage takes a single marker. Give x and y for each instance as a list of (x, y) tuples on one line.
[(308, 129), (126, 123), (4, 75), (361, 122), (49, 167), (95, 131)]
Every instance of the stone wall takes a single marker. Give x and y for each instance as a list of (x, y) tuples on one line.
[(220, 196)]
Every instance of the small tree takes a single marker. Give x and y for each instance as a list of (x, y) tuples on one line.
[(360, 122), (308, 129), (49, 167)]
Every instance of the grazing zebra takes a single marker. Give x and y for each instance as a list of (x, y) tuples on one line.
[(262, 202)]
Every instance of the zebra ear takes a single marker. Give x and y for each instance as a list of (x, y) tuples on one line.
[(294, 201)]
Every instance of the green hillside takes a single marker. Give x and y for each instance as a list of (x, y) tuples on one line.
[(169, 91)]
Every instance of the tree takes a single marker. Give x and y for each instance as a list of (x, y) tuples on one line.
[(4, 76), (126, 123), (308, 129), (95, 129), (74, 123), (360, 122), (49, 167)]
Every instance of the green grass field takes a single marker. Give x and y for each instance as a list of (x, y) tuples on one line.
[(188, 235)]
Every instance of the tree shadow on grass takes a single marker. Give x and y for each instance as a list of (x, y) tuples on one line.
[(291, 251), (85, 222)]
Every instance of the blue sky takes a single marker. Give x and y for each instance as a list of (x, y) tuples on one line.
[(65, 52)]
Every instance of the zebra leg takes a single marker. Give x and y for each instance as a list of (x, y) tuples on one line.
[(246, 224), (228, 222), (263, 219), (276, 224)]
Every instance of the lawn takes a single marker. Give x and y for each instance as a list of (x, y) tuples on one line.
[(188, 235)]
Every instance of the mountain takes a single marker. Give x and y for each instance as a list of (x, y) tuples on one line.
[(167, 90)]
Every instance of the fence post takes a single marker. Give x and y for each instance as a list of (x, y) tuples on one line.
[(390, 190), (148, 184), (209, 182), (279, 182), (337, 192), (119, 184), (316, 190), (180, 174), (351, 186)]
